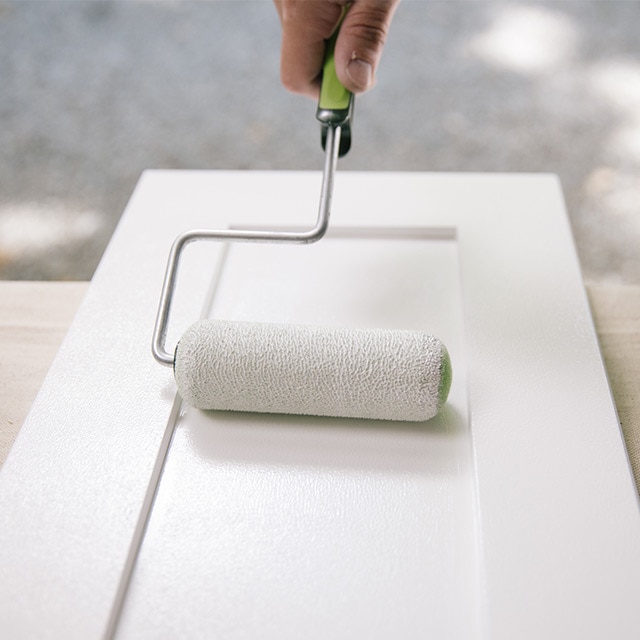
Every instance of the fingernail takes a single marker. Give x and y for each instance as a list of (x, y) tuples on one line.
[(360, 73)]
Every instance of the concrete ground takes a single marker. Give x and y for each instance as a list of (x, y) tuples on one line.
[(94, 92)]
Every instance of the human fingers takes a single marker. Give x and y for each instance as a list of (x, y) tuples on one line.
[(360, 42), (306, 25)]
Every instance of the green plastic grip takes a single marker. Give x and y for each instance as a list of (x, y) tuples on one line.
[(333, 95), (335, 106)]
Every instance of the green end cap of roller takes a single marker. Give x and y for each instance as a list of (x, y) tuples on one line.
[(446, 376)]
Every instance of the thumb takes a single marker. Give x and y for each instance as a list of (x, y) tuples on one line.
[(360, 42)]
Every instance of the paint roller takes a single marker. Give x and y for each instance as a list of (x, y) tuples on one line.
[(303, 369)]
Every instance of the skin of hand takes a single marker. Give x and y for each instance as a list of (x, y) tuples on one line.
[(307, 24)]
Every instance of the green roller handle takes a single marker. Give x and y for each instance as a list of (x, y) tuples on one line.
[(333, 95), (335, 106)]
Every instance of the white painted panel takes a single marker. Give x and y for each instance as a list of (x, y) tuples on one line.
[(291, 527), (559, 525)]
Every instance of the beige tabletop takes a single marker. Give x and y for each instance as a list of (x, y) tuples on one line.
[(34, 317)]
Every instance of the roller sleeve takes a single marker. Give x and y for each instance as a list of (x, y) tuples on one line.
[(303, 369)]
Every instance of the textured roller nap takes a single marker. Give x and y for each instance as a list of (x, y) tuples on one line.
[(324, 371)]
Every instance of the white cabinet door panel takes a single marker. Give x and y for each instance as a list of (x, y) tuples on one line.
[(512, 515)]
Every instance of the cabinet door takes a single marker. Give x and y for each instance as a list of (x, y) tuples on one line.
[(512, 514)]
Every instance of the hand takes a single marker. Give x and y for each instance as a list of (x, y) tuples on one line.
[(307, 24)]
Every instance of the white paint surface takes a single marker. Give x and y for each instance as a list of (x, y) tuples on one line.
[(512, 515)]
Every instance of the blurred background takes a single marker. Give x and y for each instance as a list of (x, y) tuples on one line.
[(94, 92)]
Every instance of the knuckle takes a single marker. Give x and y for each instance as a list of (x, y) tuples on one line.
[(370, 34), (369, 23)]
